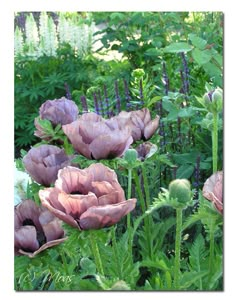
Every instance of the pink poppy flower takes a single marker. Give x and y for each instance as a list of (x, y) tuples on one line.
[(43, 163), (36, 229), (212, 190), (87, 199)]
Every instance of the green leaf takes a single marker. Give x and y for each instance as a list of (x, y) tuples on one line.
[(197, 41), (177, 48), (152, 52), (186, 112), (187, 279), (201, 56), (154, 100), (184, 171)]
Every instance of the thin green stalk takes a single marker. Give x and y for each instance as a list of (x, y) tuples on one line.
[(96, 253), (177, 247), (143, 205), (129, 195), (215, 141), (211, 255), (146, 186), (116, 252), (139, 190)]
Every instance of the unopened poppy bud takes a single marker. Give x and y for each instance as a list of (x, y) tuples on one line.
[(131, 156), (180, 190), (208, 100), (217, 99)]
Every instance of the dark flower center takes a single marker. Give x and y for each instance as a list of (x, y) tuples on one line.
[(76, 193), (40, 234), (28, 222)]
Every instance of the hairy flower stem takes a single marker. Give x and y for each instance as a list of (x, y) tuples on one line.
[(215, 141), (116, 252), (128, 216), (96, 253), (212, 246), (177, 247), (143, 207)]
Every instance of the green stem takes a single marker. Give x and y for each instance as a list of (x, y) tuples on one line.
[(139, 191), (144, 205), (128, 216), (211, 257), (177, 247), (129, 194), (96, 253), (146, 187), (215, 141), (116, 252)]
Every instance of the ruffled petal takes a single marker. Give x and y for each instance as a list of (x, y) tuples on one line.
[(45, 197), (151, 128), (105, 216), (71, 179), (26, 239), (75, 205), (43, 247)]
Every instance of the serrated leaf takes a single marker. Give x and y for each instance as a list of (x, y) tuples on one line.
[(187, 279), (177, 48)]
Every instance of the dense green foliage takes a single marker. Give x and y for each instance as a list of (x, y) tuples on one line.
[(180, 57)]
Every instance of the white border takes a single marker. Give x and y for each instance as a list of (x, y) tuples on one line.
[(7, 131)]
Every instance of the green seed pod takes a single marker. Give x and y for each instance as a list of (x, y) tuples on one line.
[(180, 190)]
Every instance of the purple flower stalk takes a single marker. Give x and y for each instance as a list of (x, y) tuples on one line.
[(185, 74), (68, 93), (127, 96), (162, 133), (165, 79), (197, 173), (84, 104), (96, 104), (101, 103), (118, 105), (107, 101)]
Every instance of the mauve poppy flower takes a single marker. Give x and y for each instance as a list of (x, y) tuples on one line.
[(43, 163), (213, 190), (59, 111), (87, 199), (146, 150), (94, 139), (36, 229), (139, 122)]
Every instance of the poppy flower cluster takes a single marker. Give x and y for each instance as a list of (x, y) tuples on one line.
[(90, 198)]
